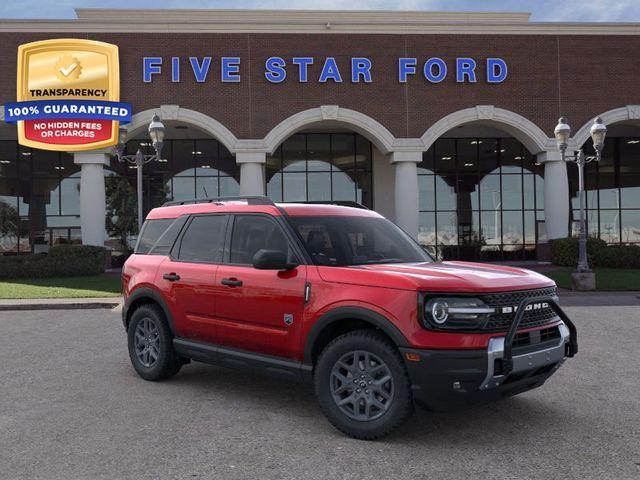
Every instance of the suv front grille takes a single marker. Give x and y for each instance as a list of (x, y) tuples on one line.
[(501, 320)]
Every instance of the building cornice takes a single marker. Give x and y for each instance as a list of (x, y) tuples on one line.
[(308, 21)]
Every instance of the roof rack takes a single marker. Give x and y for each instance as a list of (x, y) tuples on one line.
[(341, 203), (251, 200)]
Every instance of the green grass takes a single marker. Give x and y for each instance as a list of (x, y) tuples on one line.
[(69, 287), (607, 279)]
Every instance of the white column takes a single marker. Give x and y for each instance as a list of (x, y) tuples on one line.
[(406, 190), (556, 194), (93, 209), (251, 172)]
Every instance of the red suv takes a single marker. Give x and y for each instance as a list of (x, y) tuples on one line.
[(341, 297)]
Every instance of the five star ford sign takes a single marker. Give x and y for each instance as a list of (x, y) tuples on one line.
[(68, 95)]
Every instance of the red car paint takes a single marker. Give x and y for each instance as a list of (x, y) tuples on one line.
[(250, 317)]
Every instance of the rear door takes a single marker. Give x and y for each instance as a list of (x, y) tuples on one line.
[(259, 310), (188, 276)]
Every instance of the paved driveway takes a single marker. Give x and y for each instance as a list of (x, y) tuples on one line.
[(71, 407)]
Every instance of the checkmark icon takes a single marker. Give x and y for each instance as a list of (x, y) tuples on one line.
[(68, 68), (66, 71)]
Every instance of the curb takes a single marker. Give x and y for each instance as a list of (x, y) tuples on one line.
[(8, 307)]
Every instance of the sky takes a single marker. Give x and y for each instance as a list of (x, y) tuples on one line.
[(542, 10)]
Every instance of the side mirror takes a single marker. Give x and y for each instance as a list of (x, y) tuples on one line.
[(272, 260)]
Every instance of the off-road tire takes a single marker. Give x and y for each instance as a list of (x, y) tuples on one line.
[(167, 363), (399, 409)]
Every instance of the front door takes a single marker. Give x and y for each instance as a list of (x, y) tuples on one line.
[(259, 310)]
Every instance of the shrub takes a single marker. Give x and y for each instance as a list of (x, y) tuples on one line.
[(564, 252), (61, 261)]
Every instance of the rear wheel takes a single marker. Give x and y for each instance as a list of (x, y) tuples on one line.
[(362, 385), (151, 344)]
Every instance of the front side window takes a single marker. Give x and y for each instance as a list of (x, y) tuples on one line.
[(252, 233), (341, 241), (203, 240)]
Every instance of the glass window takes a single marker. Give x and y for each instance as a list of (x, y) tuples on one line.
[(630, 226), (427, 228), (426, 166), (203, 241), (319, 153), (445, 156), (182, 163), (274, 187), (252, 233), (609, 226), (445, 193), (8, 159), (205, 155), (511, 155), (294, 153), (45, 163), (342, 184), (70, 196), (320, 186), (630, 190), (183, 188), (447, 228), (151, 231), (490, 198), (427, 192), (165, 242), (352, 240), (229, 187), (321, 167), (512, 192), (294, 187), (629, 155), (207, 187)]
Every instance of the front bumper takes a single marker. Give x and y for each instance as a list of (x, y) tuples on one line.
[(450, 379)]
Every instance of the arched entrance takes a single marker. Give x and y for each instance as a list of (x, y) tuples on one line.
[(329, 154), (481, 187), (194, 164), (612, 185), (39, 197)]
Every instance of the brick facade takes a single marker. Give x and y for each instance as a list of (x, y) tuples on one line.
[(574, 75)]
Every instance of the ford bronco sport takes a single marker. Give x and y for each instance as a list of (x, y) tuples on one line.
[(341, 297)]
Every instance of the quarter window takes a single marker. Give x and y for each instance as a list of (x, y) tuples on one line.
[(151, 232), (204, 239)]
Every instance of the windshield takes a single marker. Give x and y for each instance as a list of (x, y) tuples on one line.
[(340, 241)]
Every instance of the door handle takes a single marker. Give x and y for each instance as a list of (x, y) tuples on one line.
[(231, 282), (172, 277)]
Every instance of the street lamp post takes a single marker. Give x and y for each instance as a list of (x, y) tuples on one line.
[(156, 133), (562, 133)]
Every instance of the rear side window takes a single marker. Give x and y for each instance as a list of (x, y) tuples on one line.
[(151, 232), (203, 241)]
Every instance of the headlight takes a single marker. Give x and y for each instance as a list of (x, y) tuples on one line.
[(455, 312)]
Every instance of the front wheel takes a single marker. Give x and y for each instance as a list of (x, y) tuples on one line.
[(151, 344), (362, 385)]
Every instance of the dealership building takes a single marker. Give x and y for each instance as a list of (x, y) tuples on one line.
[(442, 122)]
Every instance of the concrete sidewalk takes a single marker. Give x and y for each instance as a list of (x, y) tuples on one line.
[(59, 303), (570, 298)]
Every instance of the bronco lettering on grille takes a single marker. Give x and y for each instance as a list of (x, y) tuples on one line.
[(531, 306)]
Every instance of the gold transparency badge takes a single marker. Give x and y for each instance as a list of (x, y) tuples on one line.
[(68, 94)]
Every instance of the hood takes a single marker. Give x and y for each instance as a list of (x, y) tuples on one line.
[(467, 277)]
